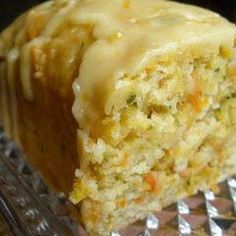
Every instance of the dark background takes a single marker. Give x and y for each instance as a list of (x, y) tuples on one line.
[(9, 9)]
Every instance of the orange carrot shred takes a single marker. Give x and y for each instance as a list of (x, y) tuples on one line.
[(138, 200), (195, 101), (151, 181), (184, 173), (195, 97)]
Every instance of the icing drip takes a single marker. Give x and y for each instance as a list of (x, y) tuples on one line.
[(26, 50), (26, 67), (12, 60), (58, 18)]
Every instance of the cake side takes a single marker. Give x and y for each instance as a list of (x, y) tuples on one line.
[(41, 53), (43, 125)]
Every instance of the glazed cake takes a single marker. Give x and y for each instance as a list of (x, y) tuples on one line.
[(125, 105)]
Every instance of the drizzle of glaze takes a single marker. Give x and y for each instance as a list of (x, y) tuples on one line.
[(12, 60), (125, 36), (58, 18), (26, 66), (26, 51)]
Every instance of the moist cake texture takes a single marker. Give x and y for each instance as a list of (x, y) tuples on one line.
[(137, 98)]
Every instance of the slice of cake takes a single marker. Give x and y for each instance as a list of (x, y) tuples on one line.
[(152, 86)]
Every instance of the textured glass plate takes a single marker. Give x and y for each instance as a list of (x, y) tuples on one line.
[(28, 207)]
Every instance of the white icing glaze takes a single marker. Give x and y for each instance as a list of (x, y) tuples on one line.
[(146, 29), (26, 66), (25, 69), (12, 59), (64, 8), (126, 34), (140, 29), (58, 18)]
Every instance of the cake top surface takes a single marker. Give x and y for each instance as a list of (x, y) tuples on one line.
[(128, 33), (117, 37)]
